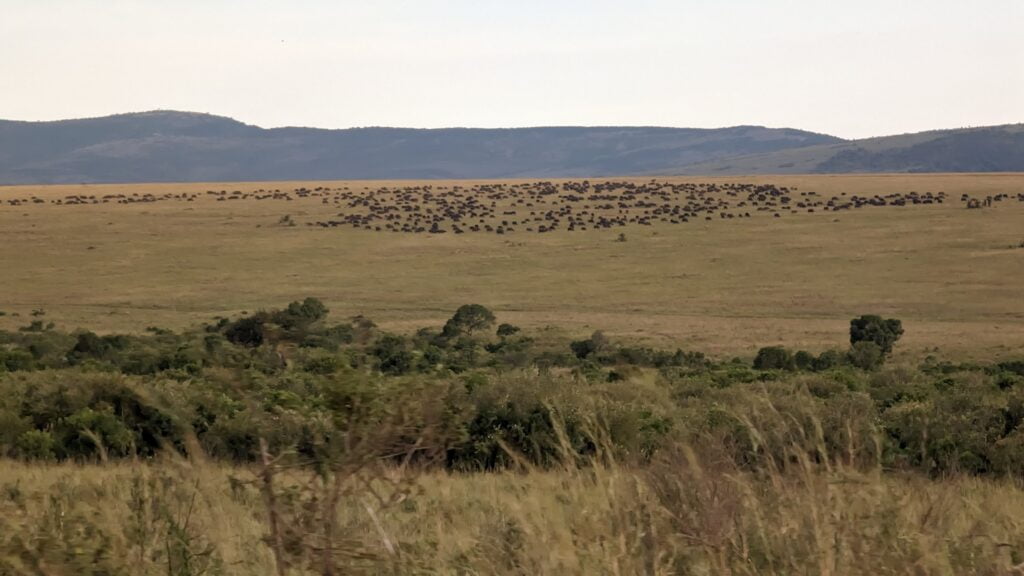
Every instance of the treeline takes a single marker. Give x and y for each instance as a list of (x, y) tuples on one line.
[(478, 394)]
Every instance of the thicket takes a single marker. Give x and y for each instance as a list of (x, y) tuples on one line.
[(475, 394)]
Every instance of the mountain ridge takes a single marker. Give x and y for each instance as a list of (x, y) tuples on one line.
[(172, 145), (997, 148)]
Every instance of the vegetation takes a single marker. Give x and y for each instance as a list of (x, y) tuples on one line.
[(873, 329), (279, 442), (283, 376)]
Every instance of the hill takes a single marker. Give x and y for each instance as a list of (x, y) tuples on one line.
[(184, 146), (985, 149), (172, 146)]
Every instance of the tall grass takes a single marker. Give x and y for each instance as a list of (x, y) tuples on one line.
[(692, 510)]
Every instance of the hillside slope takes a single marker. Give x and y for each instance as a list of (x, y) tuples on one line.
[(182, 146), (986, 149)]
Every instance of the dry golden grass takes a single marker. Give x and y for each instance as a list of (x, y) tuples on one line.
[(724, 287), (672, 519)]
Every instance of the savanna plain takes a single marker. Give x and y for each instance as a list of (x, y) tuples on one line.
[(744, 375)]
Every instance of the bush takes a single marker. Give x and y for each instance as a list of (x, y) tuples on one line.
[(15, 360), (827, 360), (803, 360), (882, 332), (322, 363), (89, 432), (1014, 366), (89, 345), (247, 331), (866, 355), (300, 314), (774, 358), (393, 355), (36, 445), (597, 343), (963, 431)]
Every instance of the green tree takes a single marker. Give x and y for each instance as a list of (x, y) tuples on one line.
[(884, 332), (393, 353), (506, 330), (89, 345), (468, 319), (248, 331)]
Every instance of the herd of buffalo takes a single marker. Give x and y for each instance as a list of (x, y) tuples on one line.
[(537, 207)]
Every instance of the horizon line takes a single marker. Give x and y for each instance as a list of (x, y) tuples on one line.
[(527, 127)]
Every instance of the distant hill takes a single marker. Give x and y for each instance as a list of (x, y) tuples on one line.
[(188, 147), (986, 149), (184, 146)]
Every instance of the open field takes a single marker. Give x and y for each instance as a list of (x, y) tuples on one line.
[(725, 286), (290, 443)]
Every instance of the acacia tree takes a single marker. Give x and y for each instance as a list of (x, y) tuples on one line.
[(883, 332), (468, 318)]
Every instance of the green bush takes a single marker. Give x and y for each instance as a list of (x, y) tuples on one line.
[(803, 360), (322, 363), (596, 344), (774, 358), (393, 355), (883, 332), (89, 432), (247, 331), (1014, 366), (15, 360), (36, 445), (827, 360), (866, 355), (303, 313)]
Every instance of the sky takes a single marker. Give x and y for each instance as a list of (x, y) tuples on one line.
[(851, 69)]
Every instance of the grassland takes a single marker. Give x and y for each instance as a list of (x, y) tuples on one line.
[(696, 467), (114, 519), (724, 287)]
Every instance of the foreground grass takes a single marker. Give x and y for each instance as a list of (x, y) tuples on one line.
[(724, 287), (673, 517)]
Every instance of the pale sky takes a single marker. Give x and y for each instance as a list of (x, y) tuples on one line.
[(852, 69)]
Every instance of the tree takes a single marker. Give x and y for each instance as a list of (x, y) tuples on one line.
[(884, 332), (89, 345), (393, 354), (506, 330), (468, 318), (248, 330)]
